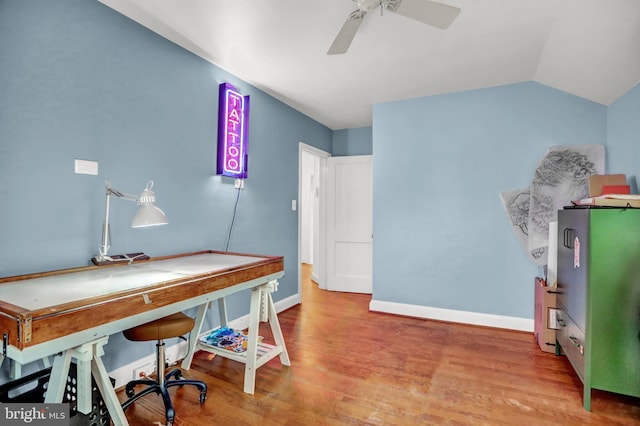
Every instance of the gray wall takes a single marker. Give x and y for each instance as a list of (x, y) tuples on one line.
[(79, 80)]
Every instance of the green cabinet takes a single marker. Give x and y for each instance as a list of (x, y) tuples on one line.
[(599, 297)]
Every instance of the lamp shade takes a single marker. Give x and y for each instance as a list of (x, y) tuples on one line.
[(148, 213), (149, 216)]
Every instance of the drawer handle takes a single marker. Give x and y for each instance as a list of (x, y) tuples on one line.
[(577, 344), (568, 238)]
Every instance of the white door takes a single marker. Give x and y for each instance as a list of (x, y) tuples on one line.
[(349, 223)]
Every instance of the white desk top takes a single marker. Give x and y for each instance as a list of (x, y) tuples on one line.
[(39, 293)]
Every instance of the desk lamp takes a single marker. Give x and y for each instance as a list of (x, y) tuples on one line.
[(148, 214)]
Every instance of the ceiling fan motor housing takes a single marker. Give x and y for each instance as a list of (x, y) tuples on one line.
[(368, 5)]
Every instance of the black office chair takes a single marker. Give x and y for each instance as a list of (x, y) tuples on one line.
[(172, 326)]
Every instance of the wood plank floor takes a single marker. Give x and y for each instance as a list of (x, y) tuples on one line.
[(353, 367)]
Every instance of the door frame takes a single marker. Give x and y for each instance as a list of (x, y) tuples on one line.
[(320, 256)]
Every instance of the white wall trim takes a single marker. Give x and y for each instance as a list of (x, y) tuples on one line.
[(465, 317), (124, 374)]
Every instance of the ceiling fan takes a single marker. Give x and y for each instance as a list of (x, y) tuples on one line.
[(428, 12)]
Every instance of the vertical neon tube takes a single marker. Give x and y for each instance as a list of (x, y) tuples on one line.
[(233, 126)]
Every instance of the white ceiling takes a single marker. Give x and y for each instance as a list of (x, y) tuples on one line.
[(590, 48)]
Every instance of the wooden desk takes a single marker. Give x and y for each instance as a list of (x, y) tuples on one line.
[(72, 312)]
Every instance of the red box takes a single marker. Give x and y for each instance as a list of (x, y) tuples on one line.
[(544, 325), (616, 189)]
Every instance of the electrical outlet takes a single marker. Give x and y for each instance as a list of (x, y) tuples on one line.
[(239, 184), (143, 371)]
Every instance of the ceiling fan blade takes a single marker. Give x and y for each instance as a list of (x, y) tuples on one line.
[(346, 34), (439, 15)]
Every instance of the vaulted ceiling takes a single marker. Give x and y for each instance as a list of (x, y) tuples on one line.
[(590, 48)]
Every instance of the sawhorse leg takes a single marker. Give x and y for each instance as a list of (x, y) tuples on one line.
[(197, 329), (222, 312), (88, 360), (277, 331), (262, 309), (194, 334)]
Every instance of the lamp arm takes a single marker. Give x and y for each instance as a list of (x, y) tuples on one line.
[(120, 194), (104, 246), (136, 198)]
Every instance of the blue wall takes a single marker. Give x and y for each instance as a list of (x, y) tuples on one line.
[(358, 141), (78, 80), (442, 238), (623, 137)]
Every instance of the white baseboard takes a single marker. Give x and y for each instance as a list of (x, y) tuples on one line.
[(124, 374), (465, 317)]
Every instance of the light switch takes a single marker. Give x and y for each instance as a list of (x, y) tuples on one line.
[(294, 205), (86, 167)]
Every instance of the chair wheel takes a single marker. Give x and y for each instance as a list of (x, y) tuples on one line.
[(176, 374)]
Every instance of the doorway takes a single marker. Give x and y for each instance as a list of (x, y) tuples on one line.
[(311, 212)]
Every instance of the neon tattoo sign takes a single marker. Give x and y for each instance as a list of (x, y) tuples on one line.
[(233, 126)]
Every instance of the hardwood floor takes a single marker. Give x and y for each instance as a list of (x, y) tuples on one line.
[(351, 366)]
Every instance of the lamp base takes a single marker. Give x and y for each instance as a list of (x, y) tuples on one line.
[(120, 258)]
